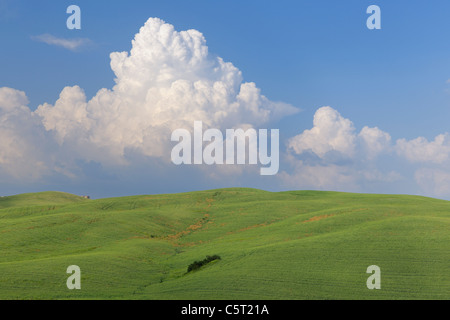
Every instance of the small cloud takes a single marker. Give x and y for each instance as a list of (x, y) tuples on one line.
[(331, 132), (70, 44)]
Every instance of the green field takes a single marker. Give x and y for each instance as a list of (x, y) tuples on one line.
[(286, 245)]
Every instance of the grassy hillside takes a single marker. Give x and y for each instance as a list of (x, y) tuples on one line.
[(287, 245)]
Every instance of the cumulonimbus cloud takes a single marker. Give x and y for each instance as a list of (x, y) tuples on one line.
[(167, 81)]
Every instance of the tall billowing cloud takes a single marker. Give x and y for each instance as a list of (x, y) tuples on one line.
[(167, 81)]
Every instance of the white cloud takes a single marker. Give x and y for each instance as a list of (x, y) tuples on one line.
[(22, 141), (421, 150), (434, 182), (70, 44), (12, 100), (354, 176), (363, 166), (374, 141), (431, 160), (347, 160), (167, 81), (68, 116), (321, 177), (331, 132)]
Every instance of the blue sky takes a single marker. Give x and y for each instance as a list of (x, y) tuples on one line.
[(308, 54)]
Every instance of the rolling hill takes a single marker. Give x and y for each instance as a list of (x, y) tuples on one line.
[(285, 245)]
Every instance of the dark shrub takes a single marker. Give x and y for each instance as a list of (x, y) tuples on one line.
[(198, 264)]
